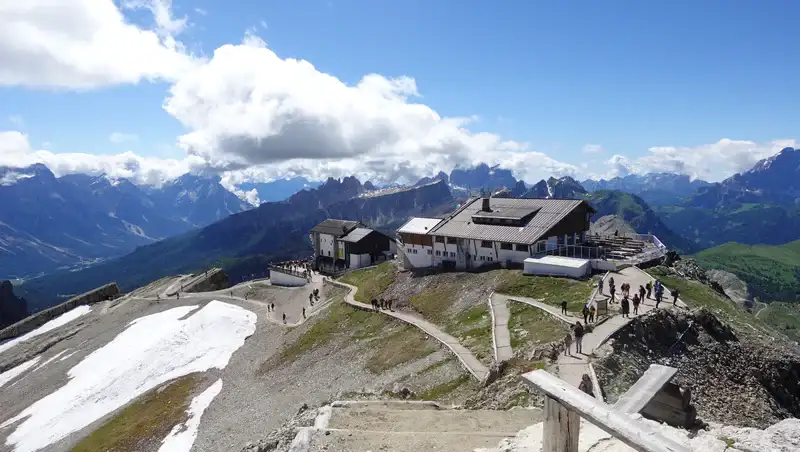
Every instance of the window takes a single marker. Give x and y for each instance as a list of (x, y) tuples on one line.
[(483, 258), (540, 247), (452, 254), (522, 248), (489, 258), (451, 241), (439, 239), (486, 244), (429, 252), (329, 254), (409, 250), (438, 253), (505, 246)]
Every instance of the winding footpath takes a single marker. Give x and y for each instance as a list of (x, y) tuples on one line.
[(468, 360), (501, 338)]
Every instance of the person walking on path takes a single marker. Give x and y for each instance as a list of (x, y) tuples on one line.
[(304, 313), (273, 307), (564, 307), (382, 303), (311, 298), (390, 303), (578, 331), (611, 282), (284, 318), (626, 306), (568, 344), (374, 304), (586, 385), (636, 301), (642, 291), (600, 286), (585, 312), (649, 288), (592, 311), (675, 293), (659, 294), (611, 291)]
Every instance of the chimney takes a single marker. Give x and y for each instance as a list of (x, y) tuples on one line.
[(485, 205)]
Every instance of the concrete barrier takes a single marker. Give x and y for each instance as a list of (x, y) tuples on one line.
[(107, 292), (215, 279)]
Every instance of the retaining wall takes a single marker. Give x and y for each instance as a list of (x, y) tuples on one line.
[(217, 279), (107, 292)]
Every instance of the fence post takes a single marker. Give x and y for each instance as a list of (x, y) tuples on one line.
[(561, 427)]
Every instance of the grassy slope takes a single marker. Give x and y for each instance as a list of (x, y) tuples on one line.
[(771, 272), (146, 422), (472, 326), (698, 295), (785, 317)]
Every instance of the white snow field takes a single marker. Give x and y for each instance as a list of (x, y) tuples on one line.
[(182, 436), (781, 437), (61, 320), (152, 350), (14, 372)]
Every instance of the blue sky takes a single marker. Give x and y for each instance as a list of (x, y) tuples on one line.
[(557, 75)]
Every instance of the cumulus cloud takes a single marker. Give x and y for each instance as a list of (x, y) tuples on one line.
[(16, 151), (120, 137), (81, 44), (247, 107)]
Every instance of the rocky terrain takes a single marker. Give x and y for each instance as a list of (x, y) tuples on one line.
[(12, 308), (735, 378)]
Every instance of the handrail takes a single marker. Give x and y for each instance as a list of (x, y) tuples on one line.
[(563, 401)]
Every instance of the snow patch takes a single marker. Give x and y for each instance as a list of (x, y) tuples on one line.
[(61, 320), (56, 356), (182, 436), (67, 357), (152, 350), (13, 373)]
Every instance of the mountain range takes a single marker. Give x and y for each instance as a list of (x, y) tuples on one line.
[(656, 189), (49, 223)]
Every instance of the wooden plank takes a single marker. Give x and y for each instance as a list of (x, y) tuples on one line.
[(643, 391), (598, 393), (619, 425), (561, 427)]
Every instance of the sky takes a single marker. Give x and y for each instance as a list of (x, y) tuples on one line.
[(393, 91)]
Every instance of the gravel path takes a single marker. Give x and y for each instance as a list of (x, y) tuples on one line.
[(501, 338)]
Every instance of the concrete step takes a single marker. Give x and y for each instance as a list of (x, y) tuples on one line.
[(376, 418), (374, 441)]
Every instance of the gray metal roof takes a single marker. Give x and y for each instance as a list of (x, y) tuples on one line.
[(356, 234), (336, 228), (551, 211)]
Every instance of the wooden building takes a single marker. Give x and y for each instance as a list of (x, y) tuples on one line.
[(343, 244)]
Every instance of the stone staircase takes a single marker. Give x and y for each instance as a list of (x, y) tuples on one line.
[(411, 426)]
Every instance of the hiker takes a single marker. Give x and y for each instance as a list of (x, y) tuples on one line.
[(178, 295), (592, 312), (383, 303), (390, 304), (616, 233), (642, 291), (659, 294), (586, 385), (674, 294), (612, 290), (567, 344), (626, 289), (636, 301), (284, 318), (564, 307), (600, 286), (578, 331), (304, 313), (374, 304), (649, 288), (311, 298), (273, 307), (316, 294), (585, 313), (611, 282), (625, 306)]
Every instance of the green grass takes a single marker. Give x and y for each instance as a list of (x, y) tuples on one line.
[(696, 295), (529, 326), (771, 272), (143, 424), (548, 289), (406, 345), (784, 317), (340, 321), (473, 329), (441, 391), (371, 282)]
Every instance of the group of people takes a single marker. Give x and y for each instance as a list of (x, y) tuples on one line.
[(313, 296), (644, 292), (578, 331), (381, 303)]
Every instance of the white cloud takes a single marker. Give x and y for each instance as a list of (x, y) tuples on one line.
[(120, 137), (201, 11), (712, 162), (592, 149), (16, 151), (81, 44), (248, 107)]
